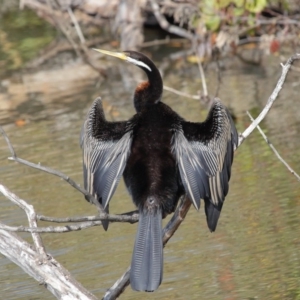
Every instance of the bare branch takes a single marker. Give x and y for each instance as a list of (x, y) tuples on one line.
[(31, 216), (176, 219), (57, 47), (271, 100), (77, 27), (51, 229), (167, 40), (169, 89), (50, 274), (59, 22), (119, 286), (10, 146), (202, 75), (164, 24), (59, 174), (203, 80), (126, 218), (219, 78), (274, 150), (168, 232), (87, 221)]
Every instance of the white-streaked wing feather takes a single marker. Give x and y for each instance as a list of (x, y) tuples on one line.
[(204, 164), (104, 157)]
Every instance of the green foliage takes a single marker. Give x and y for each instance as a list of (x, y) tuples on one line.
[(213, 12)]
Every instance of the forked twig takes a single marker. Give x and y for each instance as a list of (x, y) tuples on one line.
[(31, 216)]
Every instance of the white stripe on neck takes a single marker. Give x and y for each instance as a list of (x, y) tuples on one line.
[(138, 63)]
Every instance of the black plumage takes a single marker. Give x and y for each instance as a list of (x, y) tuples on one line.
[(162, 157)]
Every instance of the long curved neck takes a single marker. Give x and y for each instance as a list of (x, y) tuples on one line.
[(148, 92)]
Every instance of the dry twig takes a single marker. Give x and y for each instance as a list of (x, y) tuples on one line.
[(202, 75), (31, 216), (272, 98), (131, 217), (169, 89), (274, 149), (76, 24), (164, 24), (59, 174)]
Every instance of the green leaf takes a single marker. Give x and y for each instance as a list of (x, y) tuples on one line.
[(255, 6), (238, 11), (212, 22)]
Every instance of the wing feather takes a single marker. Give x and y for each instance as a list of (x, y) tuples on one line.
[(204, 154), (106, 147)]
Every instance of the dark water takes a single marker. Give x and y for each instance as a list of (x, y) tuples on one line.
[(254, 254)]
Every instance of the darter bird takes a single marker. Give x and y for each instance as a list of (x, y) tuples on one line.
[(162, 157)]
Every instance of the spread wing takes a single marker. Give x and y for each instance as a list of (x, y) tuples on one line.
[(204, 153), (106, 147)]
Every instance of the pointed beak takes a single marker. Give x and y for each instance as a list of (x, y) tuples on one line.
[(120, 55)]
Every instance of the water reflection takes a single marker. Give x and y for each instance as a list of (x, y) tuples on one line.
[(255, 252)]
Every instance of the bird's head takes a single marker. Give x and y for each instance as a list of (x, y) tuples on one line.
[(148, 92), (134, 57)]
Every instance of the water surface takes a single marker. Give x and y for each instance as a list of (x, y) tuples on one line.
[(254, 254)]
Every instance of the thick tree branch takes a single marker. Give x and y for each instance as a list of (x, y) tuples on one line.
[(50, 274)]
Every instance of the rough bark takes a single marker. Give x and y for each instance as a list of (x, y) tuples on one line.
[(48, 273)]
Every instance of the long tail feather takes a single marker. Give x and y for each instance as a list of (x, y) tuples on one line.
[(147, 259)]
